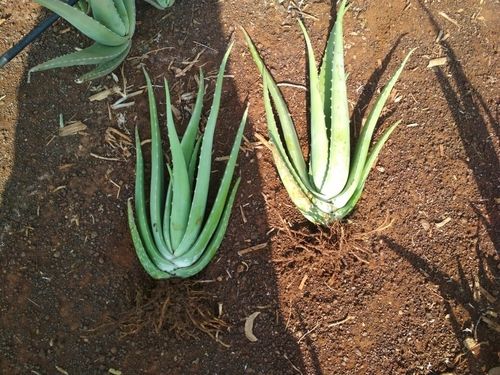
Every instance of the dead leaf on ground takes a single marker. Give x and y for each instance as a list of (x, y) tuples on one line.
[(105, 93), (118, 140), (61, 370), (443, 223), (72, 129), (437, 62), (252, 249), (249, 321)]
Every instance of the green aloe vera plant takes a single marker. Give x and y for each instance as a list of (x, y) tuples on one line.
[(329, 188), (176, 237), (161, 4), (111, 26)]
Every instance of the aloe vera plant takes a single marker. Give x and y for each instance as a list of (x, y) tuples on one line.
[(176, 237), (329, 188), (111, 27), (161, 4)]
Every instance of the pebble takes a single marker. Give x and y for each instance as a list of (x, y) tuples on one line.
[(240, 268), (425, 224)]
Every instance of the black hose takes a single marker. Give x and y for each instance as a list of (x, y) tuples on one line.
[(30, 37)]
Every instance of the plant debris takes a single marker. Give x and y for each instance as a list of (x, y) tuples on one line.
[(252, 249), (249, 322), (437, 62), (73, 128), (182, 308)]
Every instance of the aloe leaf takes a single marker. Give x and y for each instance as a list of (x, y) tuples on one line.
[(199, 203), (130, 7), (365, 137), (106, 67), (157, 184), (123, 14), (167, 212), (299, 191), (140, 196), (144, 259), (374, 152), (83, 6), (106, 13), (193, 162), (372, 157), (325, 75), (289, 133), (325, 79), (181, 191), (339, 155), (192, 252), (168, 203), (189, 137), (87, 25), (140, 210), (275, 138), (161, 4), (274, 133), (319, 140), (214, 244), (95, 54)]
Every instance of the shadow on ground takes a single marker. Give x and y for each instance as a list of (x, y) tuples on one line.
[(462, 295), (478, 130)]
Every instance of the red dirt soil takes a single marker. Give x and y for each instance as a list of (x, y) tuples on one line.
[(410, 298)]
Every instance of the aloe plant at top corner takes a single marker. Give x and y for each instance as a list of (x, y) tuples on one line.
[(161, 4), (178, 236), (111, 27), (330, 186)]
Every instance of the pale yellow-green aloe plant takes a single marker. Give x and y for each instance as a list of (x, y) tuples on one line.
[(111, 27), (329, 188), (178, 235)]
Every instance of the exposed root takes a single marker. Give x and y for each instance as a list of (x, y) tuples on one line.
[(181, 308), (338, 245), (381, 228)]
